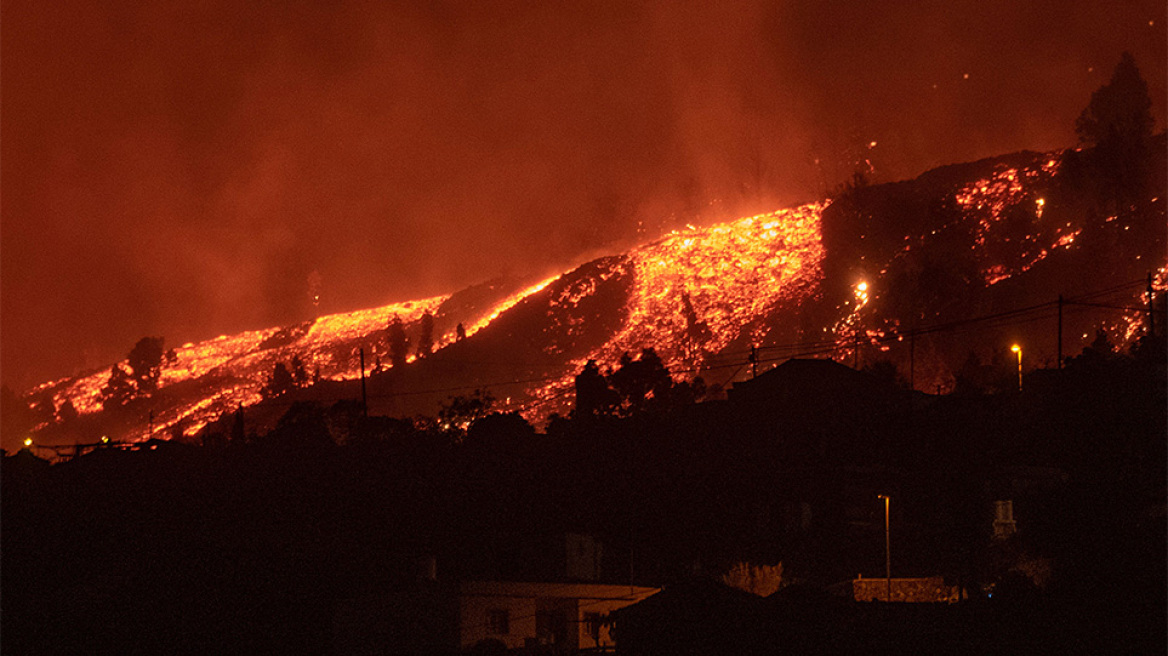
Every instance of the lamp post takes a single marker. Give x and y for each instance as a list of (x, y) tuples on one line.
[(1018, 349), (887, 552)]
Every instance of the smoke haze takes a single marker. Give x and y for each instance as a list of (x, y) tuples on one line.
[(182, 169)]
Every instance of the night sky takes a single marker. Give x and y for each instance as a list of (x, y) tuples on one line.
[(181, 169)]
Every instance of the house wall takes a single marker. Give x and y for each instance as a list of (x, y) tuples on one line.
[(475, 619), (921, 590), (524, 602)]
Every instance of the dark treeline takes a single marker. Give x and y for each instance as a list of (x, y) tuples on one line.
[(246, 542)]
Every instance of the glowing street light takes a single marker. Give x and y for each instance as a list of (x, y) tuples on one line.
[(27, 442), (1018, 349), (861, 293), (887, 551)]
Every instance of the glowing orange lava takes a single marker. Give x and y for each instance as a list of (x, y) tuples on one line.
[(731, 274), (991, 201)]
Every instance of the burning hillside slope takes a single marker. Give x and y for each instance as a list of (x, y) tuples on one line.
[(826, 278)]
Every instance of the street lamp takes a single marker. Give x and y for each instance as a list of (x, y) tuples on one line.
[(1018, 349), (887, 552)]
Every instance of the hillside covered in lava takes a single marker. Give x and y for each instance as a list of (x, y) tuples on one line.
[(933, 274)]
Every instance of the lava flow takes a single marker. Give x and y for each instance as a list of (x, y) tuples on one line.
[(701, 297), (697, 290), (203, 380)]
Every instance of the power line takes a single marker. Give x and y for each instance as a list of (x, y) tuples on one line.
[(1116, 307), (1013, 317)]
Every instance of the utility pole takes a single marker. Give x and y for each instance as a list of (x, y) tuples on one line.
[(1060, 331), (631, 572), (150, 426), (912, 351), (856, 354), (1151, 315), (753, 361), (364, 398), (887, 552)]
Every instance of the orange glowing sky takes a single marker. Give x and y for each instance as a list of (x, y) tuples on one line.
[(181, 169)]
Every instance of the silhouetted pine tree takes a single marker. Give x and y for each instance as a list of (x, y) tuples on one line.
[(119, 389), (426, 339), (280, 382), (298, 371), (1118, 123), (145, 362), (399, 344)]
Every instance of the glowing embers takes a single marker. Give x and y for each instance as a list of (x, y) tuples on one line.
[(1010, 234), (319, 346), (696, 290)]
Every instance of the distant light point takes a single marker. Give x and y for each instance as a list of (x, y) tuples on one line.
[(965, 76), (872, 144)]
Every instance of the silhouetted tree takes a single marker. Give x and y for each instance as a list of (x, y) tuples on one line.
[(1102, 343), (500, 430), (298, 371), (697, 330), (118, 390), (237, 427), (426, 338), (886, 372), (1120, 112), (644, 384), (459, 412), (460, 332), (1118, 123), (399, 344), (145, 362), (594, 396), (279, 382), (1098, 352)]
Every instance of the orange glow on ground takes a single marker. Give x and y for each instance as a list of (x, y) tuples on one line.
[(733, 274)]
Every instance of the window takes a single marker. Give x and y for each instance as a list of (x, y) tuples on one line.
[(551, 627), (498, 621), (592, 622)]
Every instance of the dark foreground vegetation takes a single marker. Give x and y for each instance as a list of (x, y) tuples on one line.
[(247, 543)]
